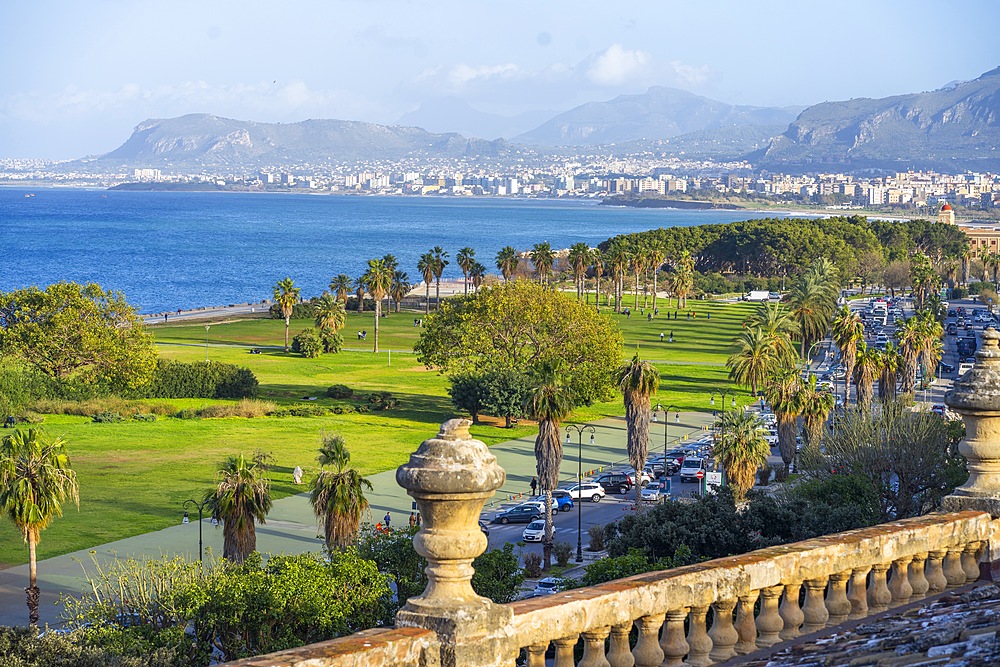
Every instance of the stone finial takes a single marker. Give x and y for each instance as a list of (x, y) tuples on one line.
[(976, 397), (451, 476)]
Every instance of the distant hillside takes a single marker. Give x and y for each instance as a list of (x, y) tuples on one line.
[(955, 128), (453, 114), (659, 113), (203, 140)]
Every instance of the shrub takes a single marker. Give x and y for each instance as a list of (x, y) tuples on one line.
[(596, 534), (188, 413), (307, 343), (382, 400), (332, 342), (248, 408), (959, 293), (343, 410), (142, 417), (29, 417), (562, 552), (764, 475), (202, 379), (108, 418), (532, 565), (300, 411), (340, 391), (362, 410), (300, 311), (98, 646), (497, 575)]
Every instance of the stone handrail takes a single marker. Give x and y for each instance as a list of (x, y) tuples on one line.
[(405, 647)]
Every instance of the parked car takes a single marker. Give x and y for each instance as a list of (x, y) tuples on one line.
[(615, 482), (654, 492), (645, 478), (690, 468), (563, 500), (947, 368), (592, 490), (540, 499), (547, 586), (523, 513), (534, 531)]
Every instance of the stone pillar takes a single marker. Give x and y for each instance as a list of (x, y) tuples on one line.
[(814, 610), (564, 651), (791, 613), (536, 655), (673, 642), (451, 476), (723, 634), (879, 596), (899, 582), (918, 577), (699, 643), (836, 599), (593, 648), (647, 651), (745, 626), (934, 571), (858, 593), (970, 561), (953, 572), (976, 397), (619, 653), (769, 622)]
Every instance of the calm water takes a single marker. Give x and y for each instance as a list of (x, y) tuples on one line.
[(169, 250)]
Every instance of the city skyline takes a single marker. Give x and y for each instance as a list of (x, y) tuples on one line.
[(81, 76)]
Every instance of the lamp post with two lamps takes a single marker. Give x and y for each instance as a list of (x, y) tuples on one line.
[(207, 327), (201, 508), (580, 429), (666, 426), (723, 394)]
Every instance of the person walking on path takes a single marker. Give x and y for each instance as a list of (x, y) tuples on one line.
[(661, 336), (534, 485), (418, 520), (386, 519), (413, 519)]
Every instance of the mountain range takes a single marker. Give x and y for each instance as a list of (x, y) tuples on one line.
[(953, 129)]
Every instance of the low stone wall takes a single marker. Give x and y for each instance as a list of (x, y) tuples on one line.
[(405, 647)]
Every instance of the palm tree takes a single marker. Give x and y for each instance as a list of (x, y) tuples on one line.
[(378, 281), (342, 286), (477, 273), (781, 388), (507, 262), (617, 260), (932, 347), (811, 303), (35, 480), (425, 265), (579, 258), (890, 362), (330, 314), (242, 498), (777, 325), (400, 287), (465, 259), (543, 258), (753, 361), (683, 281), (867, 367), (911, 340), (741, 451), (597, 262), (359, 293), (338, 495), (549, 403), (637, 264), (286, 295), (848, 331), (391, 263), (637, 380), (440, 261), (814, 405), (656, 255)]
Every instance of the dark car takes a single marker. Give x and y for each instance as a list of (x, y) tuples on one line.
[(519, 514), (952, 329), (947, 368), (615, 482), (952, 313)]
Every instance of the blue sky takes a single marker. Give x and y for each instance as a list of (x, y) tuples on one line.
[(77, 76)]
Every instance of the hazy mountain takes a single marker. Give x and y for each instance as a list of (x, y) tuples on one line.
[(659, 113), (205, 140), (453, 114), (953, 129)]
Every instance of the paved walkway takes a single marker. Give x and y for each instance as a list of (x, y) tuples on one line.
[(291, 527)]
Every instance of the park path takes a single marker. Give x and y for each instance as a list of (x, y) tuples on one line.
[(291, 527)]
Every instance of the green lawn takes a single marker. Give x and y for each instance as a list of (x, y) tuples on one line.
[(133, 476)]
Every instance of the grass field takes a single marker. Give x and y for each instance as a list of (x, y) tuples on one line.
[(134, 475)]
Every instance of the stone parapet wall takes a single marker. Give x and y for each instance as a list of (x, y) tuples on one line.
[(405, 647)]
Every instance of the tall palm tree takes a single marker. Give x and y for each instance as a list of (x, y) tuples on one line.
[(35, 480), (378, 281), (286, 295), (579, 259), (507, 262), (342, 286), (932, 348), (359, 293), (549, 402), (391, 263), (910, 335), (477, 273), (338, 496), (848, 331), (683, 282), (637, 380), (815, 405), (781, 389), (741, 451), (890, 362), (867, 367), (329, 313), (400, 287), (425, 265), (440, 261), (811, 303), (544, 258), (656, 254), (637, 263), (777, 325), (753, 360), (242, 498), (617, 260), (597, 263), (465, 258)]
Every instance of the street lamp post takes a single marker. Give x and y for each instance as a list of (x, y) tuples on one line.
[(201, 509), (723, 393), (579, 480), (207, 326), (666, 425)]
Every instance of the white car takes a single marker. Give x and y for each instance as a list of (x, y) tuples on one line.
[(548, 586), (771, 437), (541, 501), (591, 490), (654, 492), (534, 532)]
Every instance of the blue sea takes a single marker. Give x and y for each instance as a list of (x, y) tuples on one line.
[(170, 250)]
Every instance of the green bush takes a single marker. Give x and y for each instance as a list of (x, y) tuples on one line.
[(108, 418), (201, 379), (300, 311), (188, 413), (977, 287), (307, 343), (332, 342), (300, 411), (562, 551), (29, 417), (98, 646), (959, 293), (343, 410), (340, 391), (532, 565), (140, 417), (596, 534), (382, 400)]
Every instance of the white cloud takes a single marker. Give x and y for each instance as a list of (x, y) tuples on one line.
[(462, 75), (617, 65)]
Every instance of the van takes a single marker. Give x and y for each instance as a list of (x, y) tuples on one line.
[(964, 368), (690, 468)]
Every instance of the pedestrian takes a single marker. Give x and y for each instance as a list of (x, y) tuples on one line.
[(649, 317), (387, 519), (418, 520), (297, 475), (413, 519), (534, 485), (656, 311), (689, 316), (710, 316), (671, 336), (661, 336)]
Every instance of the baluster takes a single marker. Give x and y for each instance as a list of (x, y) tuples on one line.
[(918, 578), (536, 655), (899, 583), (879, 596), (620, 654), (837, 604), (953, 572), (935, 571), (723, 634), (970, 561), (593, 647), (814, 610), (647, 651), (745, 626), (699, 643), (673, 642), (791, 613), (769, 621), (857, 593), (564, 650)]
